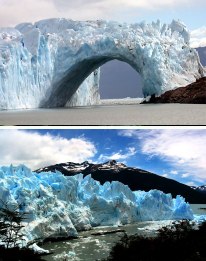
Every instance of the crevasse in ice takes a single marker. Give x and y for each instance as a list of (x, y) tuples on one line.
[(60, 206), (55, 62)]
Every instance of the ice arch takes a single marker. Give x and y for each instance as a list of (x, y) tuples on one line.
[(54, 62), (69, 84)]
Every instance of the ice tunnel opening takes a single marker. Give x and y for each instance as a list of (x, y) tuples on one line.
[(63, 91), (118, 80)]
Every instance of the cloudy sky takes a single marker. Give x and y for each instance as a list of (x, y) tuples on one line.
[(174, 153), (115, 75), (191, 12)]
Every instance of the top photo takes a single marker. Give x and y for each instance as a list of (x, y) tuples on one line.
[(102, 63)]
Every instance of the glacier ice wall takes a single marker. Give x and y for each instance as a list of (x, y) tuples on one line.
[(43, 64), (90, 86), (60, 206)]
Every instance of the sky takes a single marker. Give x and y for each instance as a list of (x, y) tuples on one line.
[(173, 153), (191, 12), (114, 76)]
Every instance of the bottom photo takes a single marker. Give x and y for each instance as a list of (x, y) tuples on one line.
[(103, 194)]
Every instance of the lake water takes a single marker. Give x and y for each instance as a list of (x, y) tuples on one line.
[(199, 209), (132, 114), (90, 247)]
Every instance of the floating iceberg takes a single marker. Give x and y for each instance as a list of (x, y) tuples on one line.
[(54, 62), (60, 206)]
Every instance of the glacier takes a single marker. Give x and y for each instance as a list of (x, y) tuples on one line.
[(55, 62), (60, 206)]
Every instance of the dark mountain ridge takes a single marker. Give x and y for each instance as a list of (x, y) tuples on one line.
[(201, 189), (136, 179)]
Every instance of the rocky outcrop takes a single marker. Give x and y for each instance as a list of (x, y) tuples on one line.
[(193, 93)]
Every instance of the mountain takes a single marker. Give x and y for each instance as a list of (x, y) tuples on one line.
[(202, 55), (136, 179), (201, 189)]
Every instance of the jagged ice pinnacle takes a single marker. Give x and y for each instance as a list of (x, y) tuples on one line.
[(60, 206), (55, 62)]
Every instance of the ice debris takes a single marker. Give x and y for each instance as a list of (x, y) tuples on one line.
[(66, 256)]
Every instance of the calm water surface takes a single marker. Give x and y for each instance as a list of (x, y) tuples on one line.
[(138, 114), (199, 209)]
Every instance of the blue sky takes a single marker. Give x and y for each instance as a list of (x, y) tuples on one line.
[(174, 153)]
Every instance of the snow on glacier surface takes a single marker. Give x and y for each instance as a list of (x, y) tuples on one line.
[(60, 206), (43, 64)]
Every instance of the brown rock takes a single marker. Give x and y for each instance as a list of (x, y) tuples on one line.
[(192, 93)]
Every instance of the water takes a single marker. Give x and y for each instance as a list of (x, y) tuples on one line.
[(126, 101), (93, 247), (96, 247), (199, 209), (138, 114)]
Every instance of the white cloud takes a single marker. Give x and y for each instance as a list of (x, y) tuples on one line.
[(191, 183), (198, 37), (173, 172), (131, 151), (184, 149), (185, 175), (129, 133), (13, 12), (37, 150), (165, 175), (151, 4)]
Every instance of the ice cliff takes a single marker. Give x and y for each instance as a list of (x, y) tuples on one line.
[(43, 64), (60, 206)]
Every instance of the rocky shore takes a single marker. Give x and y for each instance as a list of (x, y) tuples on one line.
[(194, 93)]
